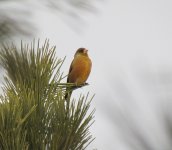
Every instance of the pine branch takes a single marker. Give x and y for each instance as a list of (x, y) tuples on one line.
[(33, 111)]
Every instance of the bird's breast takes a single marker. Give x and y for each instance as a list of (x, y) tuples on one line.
[(81, 68)]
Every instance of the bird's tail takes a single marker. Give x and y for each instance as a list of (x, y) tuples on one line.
[(68, 94)]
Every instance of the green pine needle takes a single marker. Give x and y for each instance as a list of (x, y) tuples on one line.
[(33, 111)]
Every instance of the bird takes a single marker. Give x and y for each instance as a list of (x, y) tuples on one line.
[(79, 70)]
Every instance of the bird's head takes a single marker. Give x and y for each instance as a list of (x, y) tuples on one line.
[(82, 51)]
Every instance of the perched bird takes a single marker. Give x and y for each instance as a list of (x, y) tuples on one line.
[(80, 69)]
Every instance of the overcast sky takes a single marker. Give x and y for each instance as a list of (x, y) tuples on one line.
[(130, 45)]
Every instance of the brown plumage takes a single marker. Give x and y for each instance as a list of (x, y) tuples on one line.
[(80, 69)]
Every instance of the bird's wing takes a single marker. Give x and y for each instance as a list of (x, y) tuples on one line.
[(68, 94), (70, 69)]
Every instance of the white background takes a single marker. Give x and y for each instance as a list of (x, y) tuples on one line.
[(130, 45)]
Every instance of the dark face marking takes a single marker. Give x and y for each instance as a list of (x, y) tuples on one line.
[(81, 50)]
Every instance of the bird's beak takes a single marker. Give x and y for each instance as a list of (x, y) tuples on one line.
[(85, 51)]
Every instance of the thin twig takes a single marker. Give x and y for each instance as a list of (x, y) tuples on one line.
[(72, 85)]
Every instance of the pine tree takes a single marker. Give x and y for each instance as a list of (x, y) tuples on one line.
[(33, 112)]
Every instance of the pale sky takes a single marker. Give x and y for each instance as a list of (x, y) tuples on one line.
[(130, 45)]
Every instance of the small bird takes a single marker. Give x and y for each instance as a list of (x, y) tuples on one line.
[(80, 69)]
